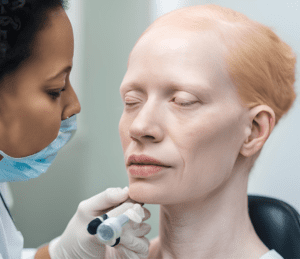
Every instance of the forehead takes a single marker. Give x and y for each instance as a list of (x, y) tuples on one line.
[(54, 45), (173, 54), (170, 40)]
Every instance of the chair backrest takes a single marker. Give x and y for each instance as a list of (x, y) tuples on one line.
[(277, 224)]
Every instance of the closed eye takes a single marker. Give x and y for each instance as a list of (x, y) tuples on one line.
[(129, 101), (184, 103)]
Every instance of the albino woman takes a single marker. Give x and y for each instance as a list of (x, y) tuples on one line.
[(204, 89)]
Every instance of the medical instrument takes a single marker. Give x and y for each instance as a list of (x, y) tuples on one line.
[(108, 227), (111, 228)]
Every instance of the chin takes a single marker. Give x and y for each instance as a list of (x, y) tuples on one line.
[(146, 193)]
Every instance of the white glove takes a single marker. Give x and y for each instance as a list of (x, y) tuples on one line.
[(133, 244), (77, 243)]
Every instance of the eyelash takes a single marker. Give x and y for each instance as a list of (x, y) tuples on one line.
[(185, 103), (55, 94), (180, 104)]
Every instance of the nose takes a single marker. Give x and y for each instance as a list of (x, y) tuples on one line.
[(72, 105), (147, 125)]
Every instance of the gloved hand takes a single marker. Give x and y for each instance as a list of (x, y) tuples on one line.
[(77, 243)]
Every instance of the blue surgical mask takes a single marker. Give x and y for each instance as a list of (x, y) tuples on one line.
[(25, 168)]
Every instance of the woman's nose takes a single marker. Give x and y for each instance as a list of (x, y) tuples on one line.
[(147, 125), (72, 105)]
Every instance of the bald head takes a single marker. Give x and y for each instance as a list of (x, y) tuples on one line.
[(199, 18)]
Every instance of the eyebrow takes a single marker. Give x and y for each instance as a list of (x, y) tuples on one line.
[(67, 69), (201, 88)]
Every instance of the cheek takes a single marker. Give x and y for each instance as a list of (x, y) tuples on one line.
[(45, 113), (208, 156), (35, 124), (209, 145), (41, 122)]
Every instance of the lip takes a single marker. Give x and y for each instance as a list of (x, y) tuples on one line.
[(143, 166), (144, 160), (143, 171)]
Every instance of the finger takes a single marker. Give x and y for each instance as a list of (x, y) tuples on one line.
[(138, 214), (137, 229), (104, 200), (147, 214), (125, 253), (145, 255), (135, 213), (139, 245), (124, 207), (141, 230), (109, 243), (120, 252)]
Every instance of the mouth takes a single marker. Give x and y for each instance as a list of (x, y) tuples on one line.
[(143, 160), (146, 170)]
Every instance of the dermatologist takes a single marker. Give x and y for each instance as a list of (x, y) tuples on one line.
[(38, 108)]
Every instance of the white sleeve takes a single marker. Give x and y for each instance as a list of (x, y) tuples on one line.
[(7, 195), (28, 253)]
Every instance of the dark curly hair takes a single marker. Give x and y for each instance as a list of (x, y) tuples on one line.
[(20, 21)]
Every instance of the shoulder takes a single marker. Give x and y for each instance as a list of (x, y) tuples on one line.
[(154, 248)]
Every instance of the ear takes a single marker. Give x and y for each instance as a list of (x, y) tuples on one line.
[(262, 119)]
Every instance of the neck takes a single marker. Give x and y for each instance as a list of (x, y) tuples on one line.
[(217, 226)]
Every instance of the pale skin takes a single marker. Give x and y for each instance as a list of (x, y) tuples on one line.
[(32, 112), (182, 108)]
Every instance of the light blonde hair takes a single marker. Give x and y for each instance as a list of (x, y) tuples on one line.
[(260, 64)]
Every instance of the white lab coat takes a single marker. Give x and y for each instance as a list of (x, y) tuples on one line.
[(11, 240)]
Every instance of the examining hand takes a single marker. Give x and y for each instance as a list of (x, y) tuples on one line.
[(133, 244), (77, 243)]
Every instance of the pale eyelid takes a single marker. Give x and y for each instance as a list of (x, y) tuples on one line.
[(185, 97), (181, 102), (131, 99), (184, 101), (131, 93), (199, 92), (126, 88)]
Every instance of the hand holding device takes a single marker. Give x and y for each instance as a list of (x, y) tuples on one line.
[(76, 242), (108, 227)]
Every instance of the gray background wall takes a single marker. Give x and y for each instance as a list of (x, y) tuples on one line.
[(105, 32)]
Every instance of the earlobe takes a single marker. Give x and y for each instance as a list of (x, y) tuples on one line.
[(263, 122)]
